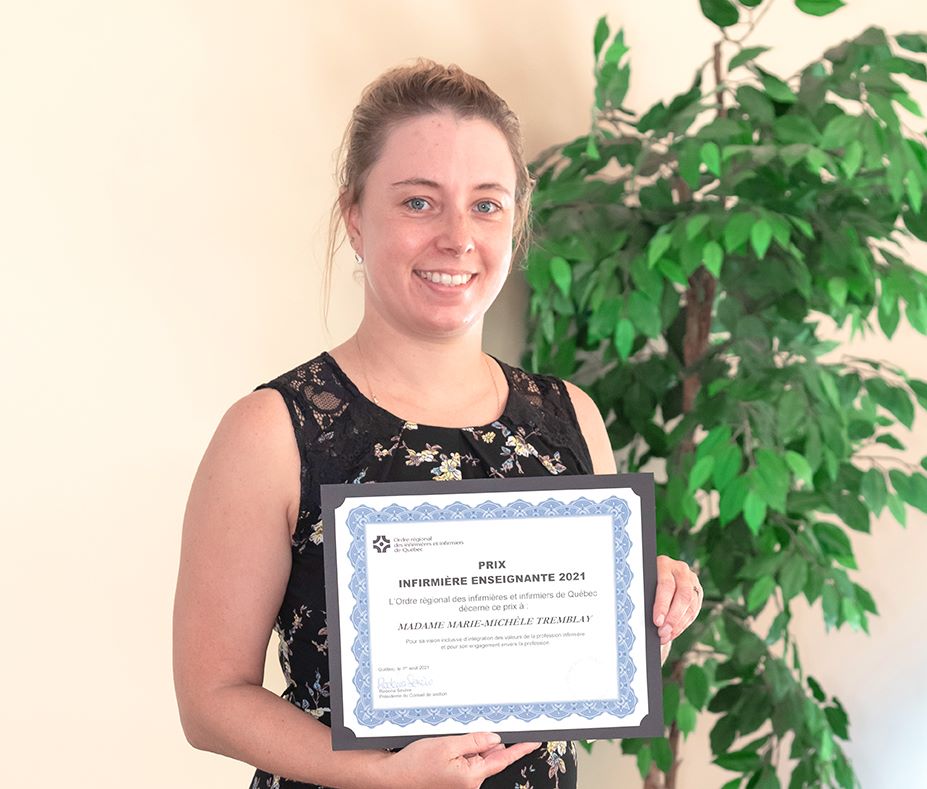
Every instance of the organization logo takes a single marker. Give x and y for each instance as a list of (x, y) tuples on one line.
[(381, 543)]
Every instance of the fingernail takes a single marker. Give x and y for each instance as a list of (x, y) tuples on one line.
[(665, 631), (660, 620), (493, 738)]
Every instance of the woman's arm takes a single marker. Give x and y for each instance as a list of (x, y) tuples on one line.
[(678, 599), (234, 567)]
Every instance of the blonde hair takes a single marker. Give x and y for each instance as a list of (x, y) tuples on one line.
[(405, 92)]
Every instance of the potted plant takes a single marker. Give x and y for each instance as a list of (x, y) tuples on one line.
[(684, 261)]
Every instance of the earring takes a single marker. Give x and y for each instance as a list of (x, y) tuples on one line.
[(358, 260)]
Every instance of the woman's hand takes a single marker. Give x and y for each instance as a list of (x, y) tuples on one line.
[(677, 603), (459, 762)]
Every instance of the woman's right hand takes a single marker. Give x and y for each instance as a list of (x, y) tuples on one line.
[(459, 762)]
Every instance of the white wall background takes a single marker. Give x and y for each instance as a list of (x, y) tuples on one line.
[(165, 178)]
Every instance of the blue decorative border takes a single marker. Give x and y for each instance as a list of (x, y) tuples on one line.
[(359, 518)]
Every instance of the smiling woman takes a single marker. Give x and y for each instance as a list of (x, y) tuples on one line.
[(434, 199)]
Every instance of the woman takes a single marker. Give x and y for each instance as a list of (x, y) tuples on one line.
[(434, 199)]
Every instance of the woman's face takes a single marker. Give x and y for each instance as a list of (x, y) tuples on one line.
[(434, 224)]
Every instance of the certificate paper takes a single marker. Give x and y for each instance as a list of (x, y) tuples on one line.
[(521, 606)]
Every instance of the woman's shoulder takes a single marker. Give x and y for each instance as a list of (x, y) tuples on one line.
[(317, 371), (543, 390)]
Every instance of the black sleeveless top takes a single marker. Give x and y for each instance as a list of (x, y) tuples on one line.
[(344, 437)]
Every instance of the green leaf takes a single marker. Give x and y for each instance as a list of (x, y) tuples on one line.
[(711, 156), (745, 55), (800, 467), (740, 761), (837, 718), (916, 222), (777, 89), (915, 192), (816, 690), (830, 605), (696, 685), (833, 539), (737, 231), (892, 399), (759, 593), (874, 490), (662, 753), (659, 244), (756, 104), (913, 42), (562, 274), (600, 37), (760, 237), (840, 131), (617, 49), (767, 779), (920, 391), (908, 103), (837, 288), (732, 500), (686, 717), (624, 338), (754, 511), (819, 7), (727, 466), (713, 257), (916, 493), (865, 599), (722, 12), (700, 473), (890, 441), (644, 314), (852, 158), (723, 734), (644, 759), (793, 576), (604, 319), (696, 225), (896, 508)]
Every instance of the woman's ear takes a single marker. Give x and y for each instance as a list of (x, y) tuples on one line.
[(350, 214)]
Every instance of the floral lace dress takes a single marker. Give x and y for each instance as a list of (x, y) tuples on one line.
[(344, 437)]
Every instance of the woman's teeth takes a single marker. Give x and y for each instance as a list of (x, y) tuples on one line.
[(445, 279)]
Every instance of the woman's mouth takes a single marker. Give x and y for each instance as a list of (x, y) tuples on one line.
[(443, 278)]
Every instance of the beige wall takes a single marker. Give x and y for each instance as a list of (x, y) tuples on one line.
[(164, 187)]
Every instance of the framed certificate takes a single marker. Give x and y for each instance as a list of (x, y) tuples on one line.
[(521, 606)]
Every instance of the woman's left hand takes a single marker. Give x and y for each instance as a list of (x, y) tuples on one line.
[(677, 603)]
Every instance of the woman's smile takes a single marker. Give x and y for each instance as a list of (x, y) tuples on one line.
[(445, 278)]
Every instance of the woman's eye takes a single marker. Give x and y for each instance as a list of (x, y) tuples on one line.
[(417, 203), (486, 207)]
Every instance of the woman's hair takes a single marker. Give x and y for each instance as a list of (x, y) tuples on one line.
[(404, 92)]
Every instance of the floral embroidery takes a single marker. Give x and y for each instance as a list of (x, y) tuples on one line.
[(316, 536), (555, 752), (488, 437), (520, 445), (317, 692), (554, 466), (449, 468), (428, 455)]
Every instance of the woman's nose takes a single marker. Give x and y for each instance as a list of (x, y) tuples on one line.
[(456, 234)]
